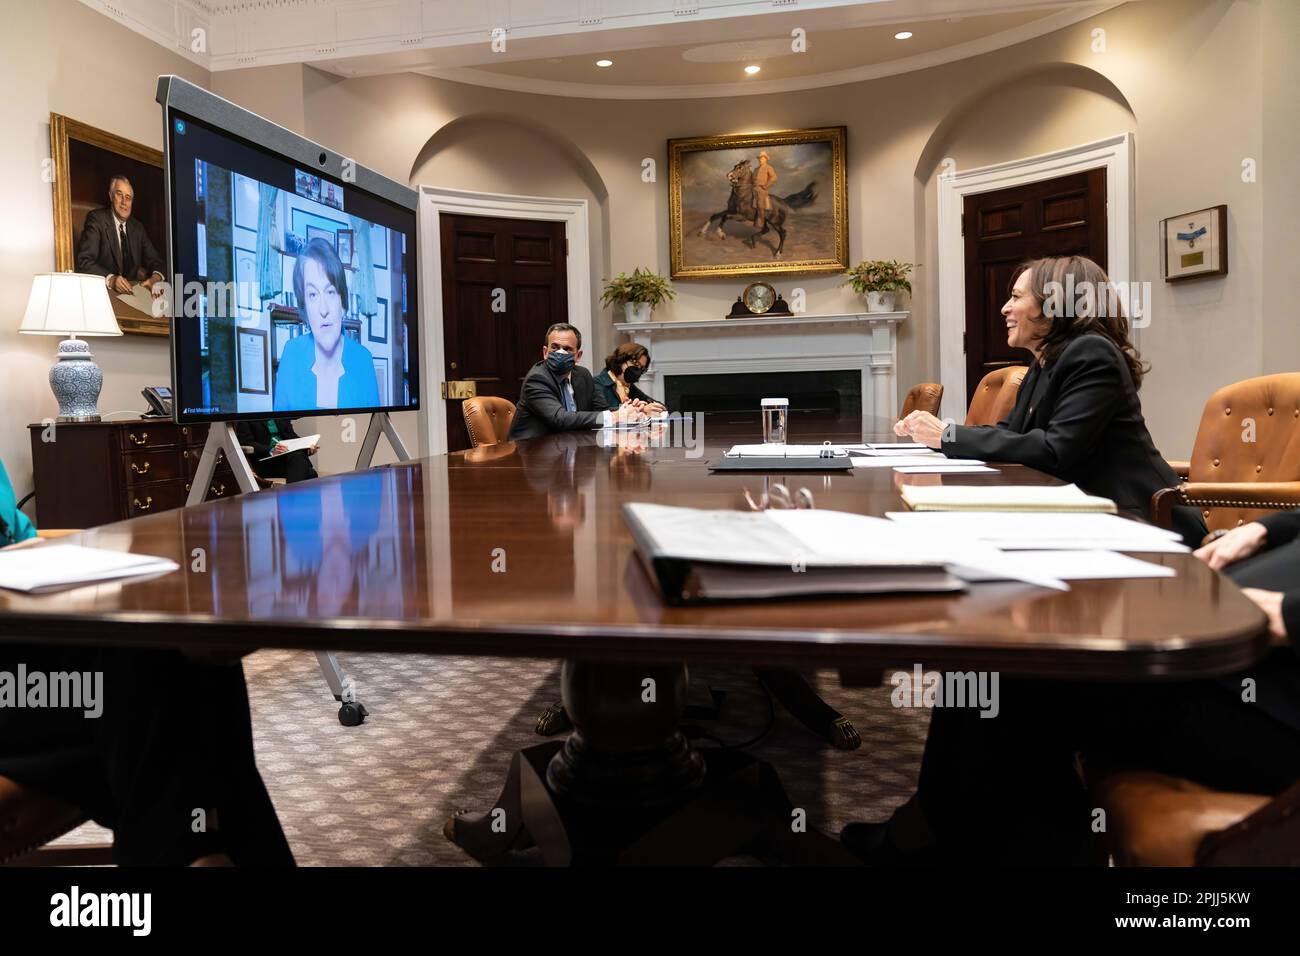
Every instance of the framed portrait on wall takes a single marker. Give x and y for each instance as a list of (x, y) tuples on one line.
[(83, 160), (254, 361), (1196, 244), (758, 203)]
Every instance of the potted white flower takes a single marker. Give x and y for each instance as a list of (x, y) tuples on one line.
[(879, 281), (639, 293)]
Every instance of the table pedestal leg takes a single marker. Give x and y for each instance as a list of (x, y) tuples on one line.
[(627, 788)]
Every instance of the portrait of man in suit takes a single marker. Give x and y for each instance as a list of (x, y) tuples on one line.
[(117, 247)]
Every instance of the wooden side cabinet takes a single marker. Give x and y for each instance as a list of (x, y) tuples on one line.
[(93, 473)]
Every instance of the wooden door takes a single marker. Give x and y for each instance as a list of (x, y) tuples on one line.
[(503, 283), (1054, 217)]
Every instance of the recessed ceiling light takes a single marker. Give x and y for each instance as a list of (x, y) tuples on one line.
[(904, 35), (752, 69), (604, 62)]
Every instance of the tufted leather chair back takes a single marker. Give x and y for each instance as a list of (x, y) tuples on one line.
[(995, 395), (1249, 432), (487, 418), (924, 397)]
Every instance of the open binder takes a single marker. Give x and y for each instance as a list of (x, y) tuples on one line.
[(698, 556)]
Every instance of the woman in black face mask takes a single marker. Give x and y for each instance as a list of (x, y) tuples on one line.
[(618, 380)]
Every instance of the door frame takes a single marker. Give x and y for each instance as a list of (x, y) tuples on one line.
[(434, 201), (1114, 153)]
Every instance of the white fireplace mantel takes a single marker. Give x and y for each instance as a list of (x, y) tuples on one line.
[(867, 341)]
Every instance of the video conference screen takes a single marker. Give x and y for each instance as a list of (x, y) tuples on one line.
[(294, 292)]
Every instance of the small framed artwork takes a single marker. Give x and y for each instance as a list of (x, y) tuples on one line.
[(1196, 244), (343, 243), (254, 361), (381, 375), (316, 232), (378, 331)]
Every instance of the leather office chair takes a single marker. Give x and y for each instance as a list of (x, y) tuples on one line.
[(995, 395), (487, 419), (1246, 460), (1156, 820), (924, 397)]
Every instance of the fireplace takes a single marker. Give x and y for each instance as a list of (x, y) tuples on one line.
[(836, 394)]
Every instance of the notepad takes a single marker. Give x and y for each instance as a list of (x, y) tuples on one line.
[(911, 461), (945, 468), (58, 566), (294, 444), (1003, 498)]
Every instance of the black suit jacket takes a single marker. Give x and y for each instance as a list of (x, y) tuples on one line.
[(1080, 420), (256, 433), (98, 252), (541, 410)]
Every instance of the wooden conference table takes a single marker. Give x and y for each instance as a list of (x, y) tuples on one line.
[(520, 551)]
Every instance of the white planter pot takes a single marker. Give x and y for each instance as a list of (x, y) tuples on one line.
[(637, 311), (880, 302)]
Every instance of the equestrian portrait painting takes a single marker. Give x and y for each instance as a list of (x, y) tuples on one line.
[(758, 202)]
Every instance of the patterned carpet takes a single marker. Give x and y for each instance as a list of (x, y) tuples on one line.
[(442, 731)]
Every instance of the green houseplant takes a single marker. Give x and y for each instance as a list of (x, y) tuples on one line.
[(639, 293), (879, 280)]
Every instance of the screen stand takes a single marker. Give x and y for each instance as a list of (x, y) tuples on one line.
[(221, 440), (380, 423)]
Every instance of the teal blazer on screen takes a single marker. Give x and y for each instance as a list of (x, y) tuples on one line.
[(295, 382), (14, 525)]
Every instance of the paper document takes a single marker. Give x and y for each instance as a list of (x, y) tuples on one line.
[(57, 566), (1002, 498), (1089, 565), (1041, 531), (908, 461), (294, 444), (945, 468), (139, 298)]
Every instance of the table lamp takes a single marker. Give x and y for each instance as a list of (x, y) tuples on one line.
[(72, 304)]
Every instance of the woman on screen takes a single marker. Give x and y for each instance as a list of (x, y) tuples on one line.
[(324, 368)]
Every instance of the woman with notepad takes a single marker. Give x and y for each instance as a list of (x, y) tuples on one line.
[(1077, 415)]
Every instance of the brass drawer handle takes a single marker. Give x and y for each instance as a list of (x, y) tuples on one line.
[(143, 439), (186, 431), (218, 489), (148, 503), (141, 471)]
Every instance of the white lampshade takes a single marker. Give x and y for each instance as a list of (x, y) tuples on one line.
[(69, 303)]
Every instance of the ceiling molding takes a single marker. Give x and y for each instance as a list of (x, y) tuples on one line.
[(961, 51)]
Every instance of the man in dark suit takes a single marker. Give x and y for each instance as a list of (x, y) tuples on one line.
[(265, 437), (117, 247), (559, 395)]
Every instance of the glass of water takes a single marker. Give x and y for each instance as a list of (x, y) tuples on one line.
[(775, 411)]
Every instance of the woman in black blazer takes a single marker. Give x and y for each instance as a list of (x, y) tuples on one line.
[(617, 382), (1077, 415)]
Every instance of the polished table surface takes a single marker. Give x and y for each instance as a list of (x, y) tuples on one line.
[(519, 550)]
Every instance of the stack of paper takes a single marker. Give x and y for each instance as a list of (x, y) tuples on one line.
[(295, 444), (1038, 531), (57, 566), (1002, 498)]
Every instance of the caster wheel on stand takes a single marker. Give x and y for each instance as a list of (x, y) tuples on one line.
[(351, 714)]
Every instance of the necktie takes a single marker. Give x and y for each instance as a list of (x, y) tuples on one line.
[(127, 266), (569, 404)]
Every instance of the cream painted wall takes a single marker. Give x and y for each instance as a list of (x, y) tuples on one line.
[(60, 56)]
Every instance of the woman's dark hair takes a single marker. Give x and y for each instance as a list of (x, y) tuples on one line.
[(324, 254), (1076, 295), (627, 352)]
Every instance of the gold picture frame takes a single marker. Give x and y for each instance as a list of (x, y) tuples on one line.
[(83, 159), (712, 197)]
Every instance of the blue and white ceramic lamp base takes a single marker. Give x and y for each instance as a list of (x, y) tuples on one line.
[(76, 381)]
